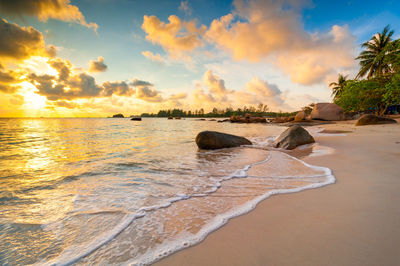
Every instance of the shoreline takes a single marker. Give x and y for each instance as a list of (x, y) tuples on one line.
[(347, 223)]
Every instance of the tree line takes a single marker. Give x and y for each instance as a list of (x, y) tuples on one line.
[(376, 87), (259, 110)]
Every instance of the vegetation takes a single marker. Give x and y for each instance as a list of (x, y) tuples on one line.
[(337, 87), (380, 65), (260, 110)]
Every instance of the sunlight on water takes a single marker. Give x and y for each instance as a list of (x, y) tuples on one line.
[(113, 190)]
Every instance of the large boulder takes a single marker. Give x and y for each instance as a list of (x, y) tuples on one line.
[(300, 116), (211, 140), (292, 137), (369, 119), (327, 111)]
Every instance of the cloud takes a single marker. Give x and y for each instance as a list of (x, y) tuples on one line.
[(44, 9), (66, 85), (66, 104), (184, 6), (138, 83), (153, 57), (63, 68), (18, 43), (178, 96), (176, 37), (145, 91), (97, 66), (120, 88), (271, 30), (9, 80), (148, 94), (215, 85), (255, 91), (258, 91)]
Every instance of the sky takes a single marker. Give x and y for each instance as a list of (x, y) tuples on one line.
[(62, 58)]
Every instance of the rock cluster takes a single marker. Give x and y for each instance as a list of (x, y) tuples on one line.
[(247, 119)]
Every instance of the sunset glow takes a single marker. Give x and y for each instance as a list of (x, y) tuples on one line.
[(76, 59)]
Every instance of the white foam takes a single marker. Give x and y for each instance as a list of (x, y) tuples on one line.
[(73, 254), (170, 247)]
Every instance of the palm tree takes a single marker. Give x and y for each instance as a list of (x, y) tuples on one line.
[(372, 59), (337, 87)]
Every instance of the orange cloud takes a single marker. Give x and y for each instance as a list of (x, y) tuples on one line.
[(18, 43), (272, 30), (215, 85), (176, 37), (97, 66), (258, 91), (153, 57), (45, 9), (255, 91)]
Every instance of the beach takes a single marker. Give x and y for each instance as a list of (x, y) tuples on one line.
[(355, 221)]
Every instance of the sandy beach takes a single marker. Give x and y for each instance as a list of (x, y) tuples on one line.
[(355, 221)]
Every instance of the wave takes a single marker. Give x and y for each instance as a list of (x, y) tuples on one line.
[(74, 254)]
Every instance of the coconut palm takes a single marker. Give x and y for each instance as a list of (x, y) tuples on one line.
[(372, 59), (337, 87)]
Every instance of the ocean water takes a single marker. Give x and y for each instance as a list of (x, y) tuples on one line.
[(115, 191)]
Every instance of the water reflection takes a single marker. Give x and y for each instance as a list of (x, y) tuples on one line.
[(64, 182)]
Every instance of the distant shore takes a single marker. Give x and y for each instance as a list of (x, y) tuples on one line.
[(353, 222)]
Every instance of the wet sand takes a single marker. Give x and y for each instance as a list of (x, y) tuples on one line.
[(355, 221)]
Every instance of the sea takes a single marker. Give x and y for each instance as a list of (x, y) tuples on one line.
[(114, 191)]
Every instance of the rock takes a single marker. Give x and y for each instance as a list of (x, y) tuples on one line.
[(170, 117), (211, 140), (292, 137), (136, 119), (369, 119), (201, 119), (327, 111), (260, 120), (223, 120), (118, 116), (212, 120), (300, 116), (247, 119), (177, 118), (282, 119)]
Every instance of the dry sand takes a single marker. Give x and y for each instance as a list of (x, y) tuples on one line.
[(353, 222)]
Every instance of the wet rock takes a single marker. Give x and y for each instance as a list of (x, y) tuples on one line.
[(292, 137), (211, 140)]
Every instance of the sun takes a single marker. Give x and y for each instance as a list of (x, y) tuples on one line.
[(33, 101)]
